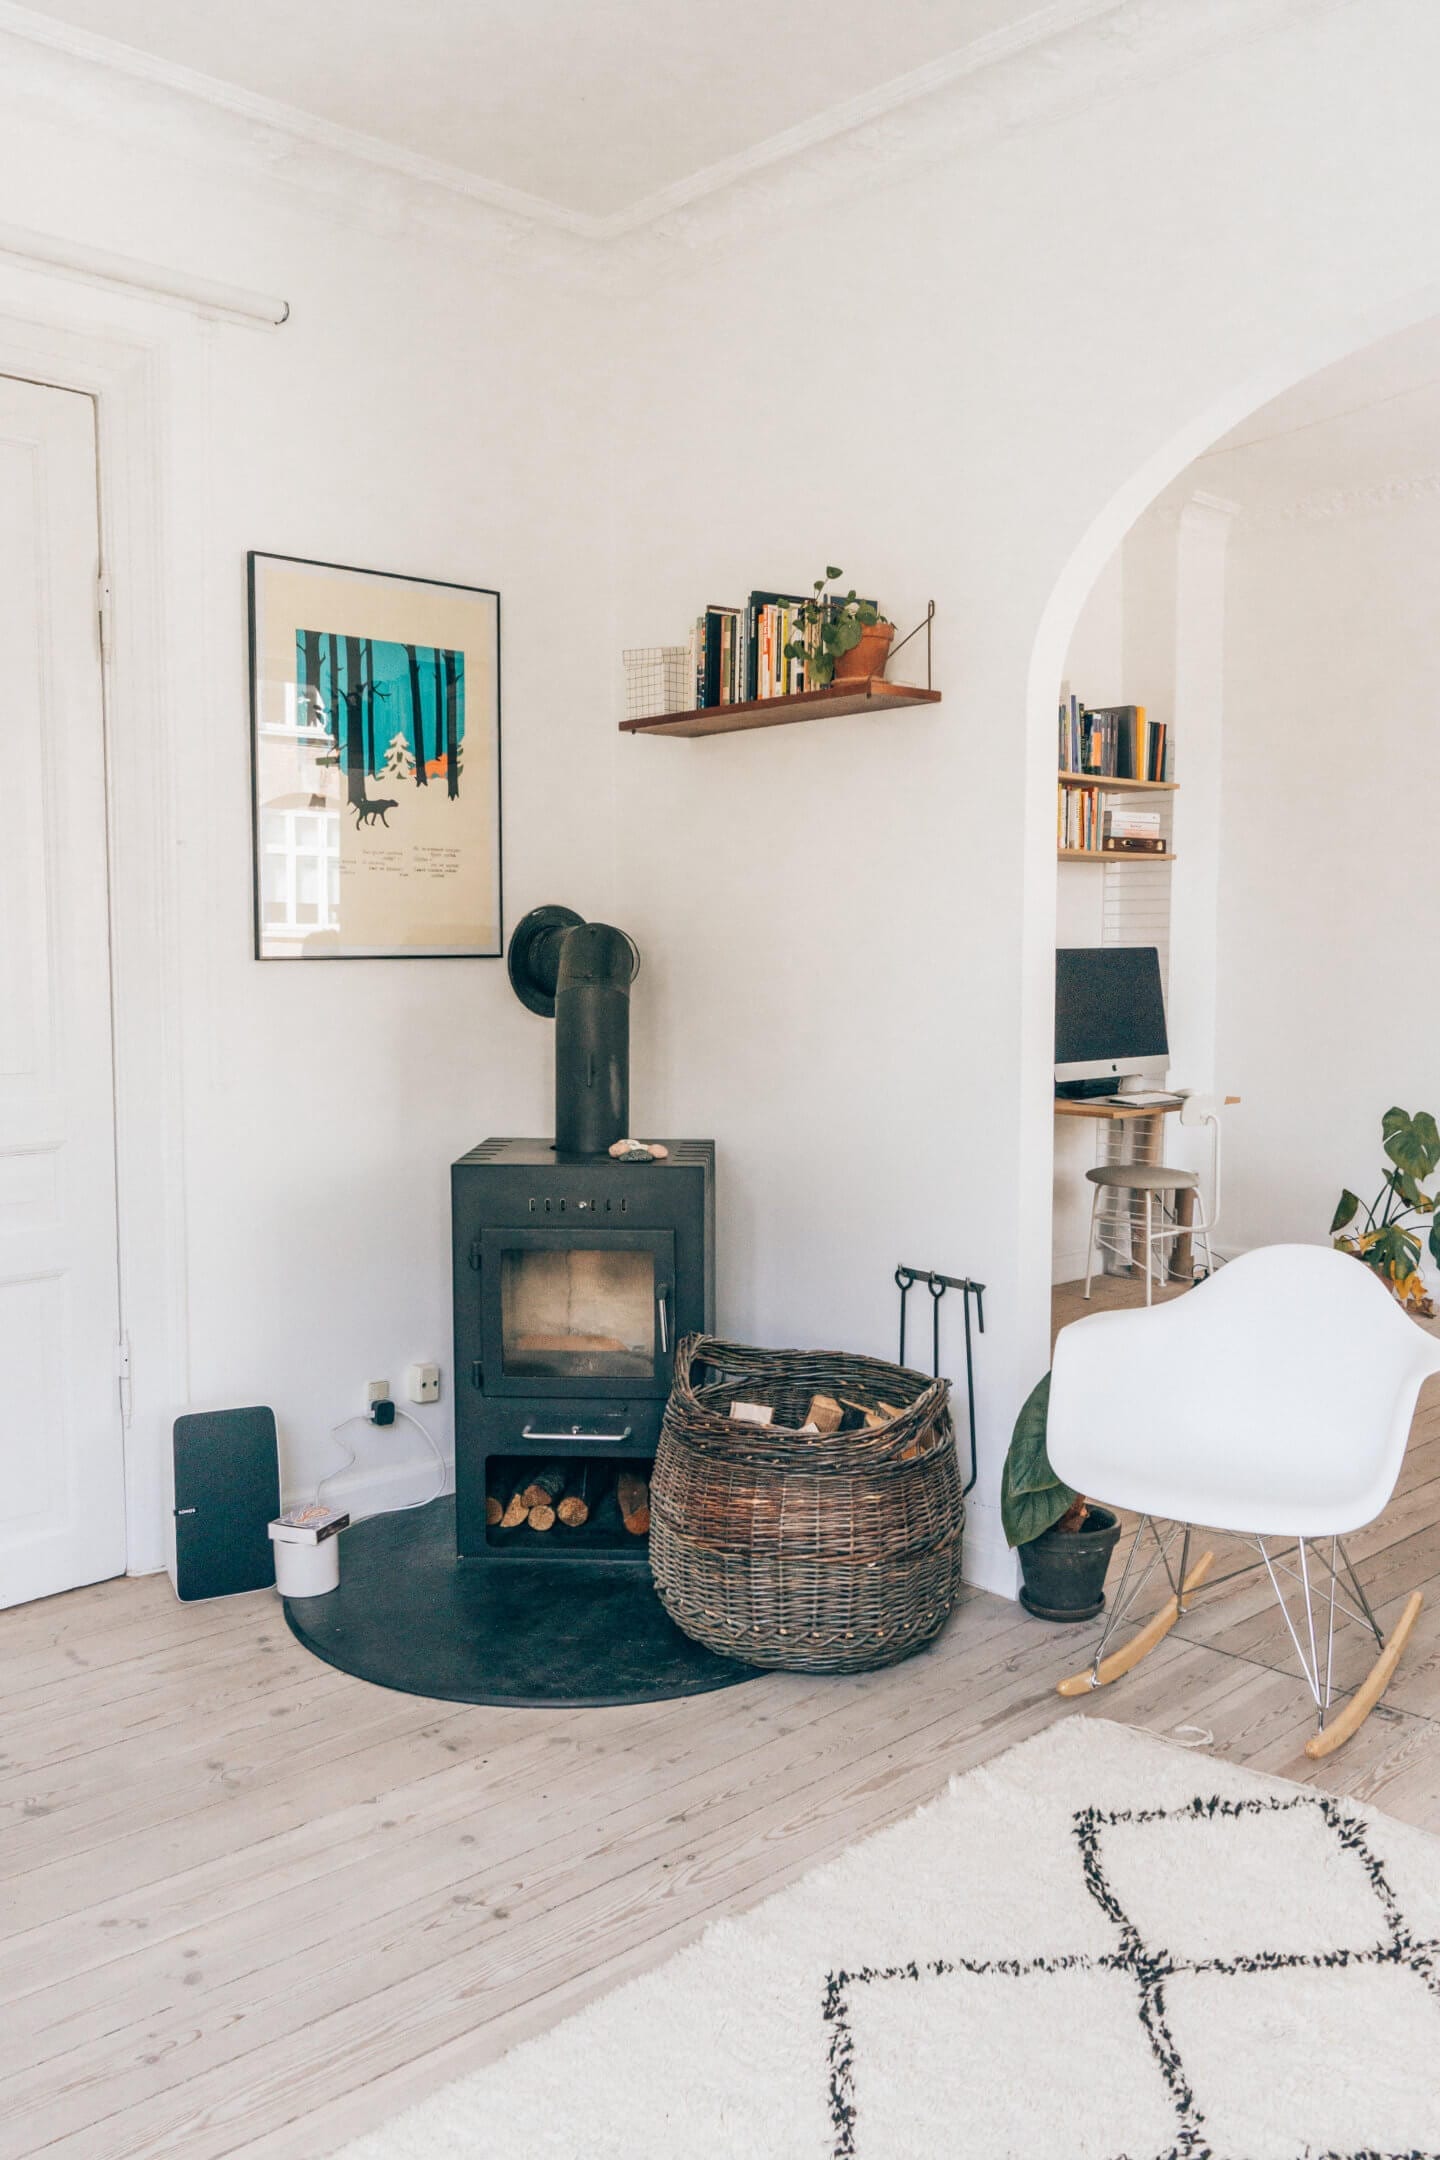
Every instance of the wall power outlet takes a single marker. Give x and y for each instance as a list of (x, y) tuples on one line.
[(422, 1383)]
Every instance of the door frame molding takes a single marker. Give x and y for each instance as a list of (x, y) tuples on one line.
[(146, 377)]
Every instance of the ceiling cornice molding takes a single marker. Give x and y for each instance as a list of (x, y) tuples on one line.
[(1079, 64), (307, 129), (1063, 57), (1328, 506), (314, 133), (1026, 36)]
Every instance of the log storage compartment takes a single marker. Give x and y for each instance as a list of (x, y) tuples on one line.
[(575, 1277), (582, 1508)]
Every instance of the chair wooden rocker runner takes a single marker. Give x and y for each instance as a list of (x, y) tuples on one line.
[(1273, 1402)]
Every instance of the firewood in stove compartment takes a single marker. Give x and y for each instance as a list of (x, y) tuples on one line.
[(516, 1507), (573, 1507), (542, 1518), (545, 1486), (633, 1493), (494, 1510)]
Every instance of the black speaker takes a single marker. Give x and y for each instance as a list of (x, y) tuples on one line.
[(227, 1493)]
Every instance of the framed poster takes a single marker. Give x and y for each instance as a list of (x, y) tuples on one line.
[(375, 763)]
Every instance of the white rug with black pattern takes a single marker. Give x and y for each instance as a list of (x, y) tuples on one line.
[(1098, 1946)]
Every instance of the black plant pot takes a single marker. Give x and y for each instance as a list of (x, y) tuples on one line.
[(1065, 1569)]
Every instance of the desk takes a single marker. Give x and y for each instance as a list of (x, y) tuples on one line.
[(1100, 1106), (1136, 1136)]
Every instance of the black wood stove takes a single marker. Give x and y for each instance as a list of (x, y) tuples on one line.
[(574, 1278), (575, 1275)]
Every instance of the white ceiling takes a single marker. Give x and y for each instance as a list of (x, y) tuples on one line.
[(1372, 418), (598, 109)]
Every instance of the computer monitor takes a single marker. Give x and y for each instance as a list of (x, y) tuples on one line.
[(1109, 1017)]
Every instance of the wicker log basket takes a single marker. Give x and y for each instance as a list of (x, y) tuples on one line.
[(809, 1553)]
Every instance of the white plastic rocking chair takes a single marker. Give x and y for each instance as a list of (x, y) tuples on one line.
[(1272, 1401)]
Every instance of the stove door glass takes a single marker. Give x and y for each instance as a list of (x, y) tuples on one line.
[(577, 1312)]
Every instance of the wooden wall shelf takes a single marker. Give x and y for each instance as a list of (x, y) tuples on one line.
[(1111, 854), (1117, 787), (871, 694)]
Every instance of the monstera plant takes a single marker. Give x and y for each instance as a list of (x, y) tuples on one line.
[(1401, 1213)]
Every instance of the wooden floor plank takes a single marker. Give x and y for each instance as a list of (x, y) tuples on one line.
[(249, 1905)]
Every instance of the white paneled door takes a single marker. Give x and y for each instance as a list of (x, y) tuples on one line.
[(62, 1486)]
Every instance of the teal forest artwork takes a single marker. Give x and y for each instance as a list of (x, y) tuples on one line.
[(375, 760), (394, 715)]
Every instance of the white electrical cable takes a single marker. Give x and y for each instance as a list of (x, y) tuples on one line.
[(349, 1463)]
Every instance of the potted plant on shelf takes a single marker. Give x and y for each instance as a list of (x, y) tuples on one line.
[(1064, 1541), (1389, 1241), (842, 640)]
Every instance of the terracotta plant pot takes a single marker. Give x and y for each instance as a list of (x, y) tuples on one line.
[(868, 657)]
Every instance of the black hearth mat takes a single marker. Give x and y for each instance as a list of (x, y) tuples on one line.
[(407, 1615)]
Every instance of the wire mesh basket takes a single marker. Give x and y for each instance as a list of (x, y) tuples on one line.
[(658, 679)]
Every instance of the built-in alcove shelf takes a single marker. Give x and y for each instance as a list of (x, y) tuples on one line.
[(1111, 784), (871, 694), (1117, 787), (1115, 854)]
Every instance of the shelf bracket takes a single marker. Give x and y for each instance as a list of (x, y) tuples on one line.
[(924, 624)]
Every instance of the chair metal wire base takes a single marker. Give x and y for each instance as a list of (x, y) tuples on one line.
[(1316, 1579)]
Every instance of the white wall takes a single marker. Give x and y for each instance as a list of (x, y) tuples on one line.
[(1330, 908), (1095, 673), (960, 374), (852, 924), (421, 412)]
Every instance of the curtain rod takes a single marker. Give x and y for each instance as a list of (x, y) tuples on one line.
[(51, 252)]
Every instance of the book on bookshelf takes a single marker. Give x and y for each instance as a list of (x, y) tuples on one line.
[(1114, 742), (717, 645), (740, 654), (1132, 825), (1078, 820)]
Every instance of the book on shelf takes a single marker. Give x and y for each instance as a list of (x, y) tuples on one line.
[(717, 646), (1086, 826), (775, 621), (739, 654), (1132, 825), (1114, 742), (1078, 824)]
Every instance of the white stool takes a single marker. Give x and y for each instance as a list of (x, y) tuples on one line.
[(1158, 1178)]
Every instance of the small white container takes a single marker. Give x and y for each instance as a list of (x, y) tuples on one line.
[(304, 1565)]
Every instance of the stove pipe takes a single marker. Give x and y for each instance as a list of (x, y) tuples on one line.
[(581, 974)]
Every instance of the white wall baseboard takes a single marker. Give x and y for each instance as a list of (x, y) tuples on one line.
[(987, 1562)]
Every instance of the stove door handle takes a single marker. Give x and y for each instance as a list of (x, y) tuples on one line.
[(575, 1432), (662, 1308)]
